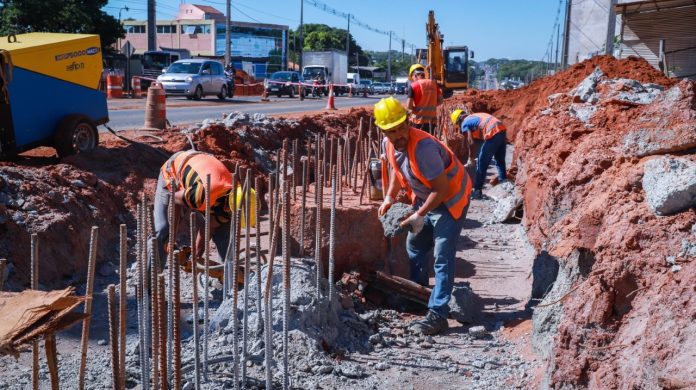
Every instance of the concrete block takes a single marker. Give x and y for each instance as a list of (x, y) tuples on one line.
[(669, 184), (587, 87), (647, 142)]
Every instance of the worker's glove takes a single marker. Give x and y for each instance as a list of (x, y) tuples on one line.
[(416, 221), (386, 205)]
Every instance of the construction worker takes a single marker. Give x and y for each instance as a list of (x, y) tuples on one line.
[(188, 170), (489, 129), (423, 98), (439, 188)]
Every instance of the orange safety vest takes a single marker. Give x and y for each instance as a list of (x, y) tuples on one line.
[(489, 124), (203, 164), (459, 184), (425, 99)]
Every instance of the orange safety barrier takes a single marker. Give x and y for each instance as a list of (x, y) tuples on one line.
[(156, 108), (114, 86), (136, 91)]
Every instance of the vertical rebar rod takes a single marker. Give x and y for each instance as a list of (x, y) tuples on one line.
[(35, 286), (122, 304), (113, 336), (257, 244), (337, 174), (52, 360), (88, 305), (332, 236), (235, 301), (347, 166), (286, 287), (271, 208), (247, 269), (318, 240), (139, 294), (146, 316), (196, 331), (206, 288), (303, 211), (356, 153), (171, 263), (177, 327), (154, 315), (317, 168), (3, 264), (295, 150), (268, 290), (226, 285), (162, 309)]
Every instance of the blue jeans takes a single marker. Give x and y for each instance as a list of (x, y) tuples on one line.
[(494, 147), (440, 232)]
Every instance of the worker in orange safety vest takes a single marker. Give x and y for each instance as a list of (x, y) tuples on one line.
[(439, 189), (423, 98)]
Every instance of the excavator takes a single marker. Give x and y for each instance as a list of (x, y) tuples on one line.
[(449, 67)]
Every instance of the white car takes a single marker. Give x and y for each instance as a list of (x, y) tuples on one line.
[(194, 78)]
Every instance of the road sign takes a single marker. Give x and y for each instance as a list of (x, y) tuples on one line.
[(127, 49)]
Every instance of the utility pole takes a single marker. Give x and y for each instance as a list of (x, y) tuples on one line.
[(389, 59), (348, 39), (558, 34), (566, 34), (228, 39), (301, 31), (403, 49), (611, 29), (151, 26)]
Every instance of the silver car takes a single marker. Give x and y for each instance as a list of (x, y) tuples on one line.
[(194, 78)]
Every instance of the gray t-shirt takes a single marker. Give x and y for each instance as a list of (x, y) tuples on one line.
[(432, 159)]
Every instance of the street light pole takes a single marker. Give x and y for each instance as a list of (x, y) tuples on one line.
[(301, 32), (125, 7)]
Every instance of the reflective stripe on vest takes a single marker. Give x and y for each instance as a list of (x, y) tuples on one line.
[(489, 125), (425, 99), (203, 164), (459, 184)]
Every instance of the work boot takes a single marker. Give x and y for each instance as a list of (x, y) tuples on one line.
[(477, 194), (430, 325)]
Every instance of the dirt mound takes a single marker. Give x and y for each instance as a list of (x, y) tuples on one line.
[(617, 307), (61, 199)]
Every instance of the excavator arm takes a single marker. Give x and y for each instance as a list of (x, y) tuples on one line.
[(435, 39)]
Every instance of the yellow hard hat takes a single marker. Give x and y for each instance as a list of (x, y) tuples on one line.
[(252, 206), (414, 68), (454, 116), (389, 113)]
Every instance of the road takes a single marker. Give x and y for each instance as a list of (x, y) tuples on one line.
[(130, 114)]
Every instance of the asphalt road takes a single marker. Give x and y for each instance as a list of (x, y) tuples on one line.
[(130, 114)]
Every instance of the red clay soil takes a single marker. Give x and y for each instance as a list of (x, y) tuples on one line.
[(630, 323), (61, 199)]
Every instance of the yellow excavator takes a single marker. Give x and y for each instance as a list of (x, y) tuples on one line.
[(449, 67)]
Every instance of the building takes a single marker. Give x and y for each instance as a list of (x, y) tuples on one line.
[(634, 28), (258, 48)]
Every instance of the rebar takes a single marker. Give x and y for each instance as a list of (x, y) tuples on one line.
[(257, 229), (3, 264), (122, 304), (52, 360), (196, 335), (356, 154), (303, 208), (295, 150), (247, 266), (317, 168), (113, 335), (162, 309), (35, 286), (154, 307), (171, 263), (268, 290), (336, 181), (146, 315), (226, 285), (139, 293), (271, 208), (332, 236), (318, 240), (235, 299), (88, 305), (176, 350), (206, 260), (286, 286)]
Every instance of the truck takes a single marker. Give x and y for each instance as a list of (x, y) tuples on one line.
[(49, 93), (353, 80), (155, 61), (324, 67), (449, 67)]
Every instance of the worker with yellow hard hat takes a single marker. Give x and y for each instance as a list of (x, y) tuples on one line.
[(423, 98), (439, 188), (188, 170), (489, 133)]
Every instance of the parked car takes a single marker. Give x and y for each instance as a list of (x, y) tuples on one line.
[(401, 88), (380, 88), (368, 85), (194, 78), (280, 83)]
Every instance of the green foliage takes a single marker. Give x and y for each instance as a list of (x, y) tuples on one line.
[(319, 37), (399, 66), (59, 16), (517, 69)]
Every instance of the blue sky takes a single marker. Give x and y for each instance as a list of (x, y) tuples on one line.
[(514, 29)]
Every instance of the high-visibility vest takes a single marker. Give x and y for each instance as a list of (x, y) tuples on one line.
[(425, 99), (459, 183), (201, 163), (488, 125)]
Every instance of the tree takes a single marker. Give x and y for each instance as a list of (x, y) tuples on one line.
[(59, 16), (319, 37)]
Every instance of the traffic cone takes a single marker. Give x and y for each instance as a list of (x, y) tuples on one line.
[(330, 103)]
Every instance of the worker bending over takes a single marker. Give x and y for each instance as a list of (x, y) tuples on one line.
[(486, 127), (188, 170), (423, 98), (439, 188)]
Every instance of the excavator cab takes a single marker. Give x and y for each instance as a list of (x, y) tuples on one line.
[(456, 67)]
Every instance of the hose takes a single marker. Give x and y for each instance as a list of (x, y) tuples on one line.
[(133, 142)]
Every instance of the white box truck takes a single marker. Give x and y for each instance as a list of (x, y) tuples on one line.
[(322, 68)]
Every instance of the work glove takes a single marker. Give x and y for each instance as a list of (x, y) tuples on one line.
[(416, 221), (386, 205)]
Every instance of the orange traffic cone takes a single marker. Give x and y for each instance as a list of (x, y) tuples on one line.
[(330, 103)]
